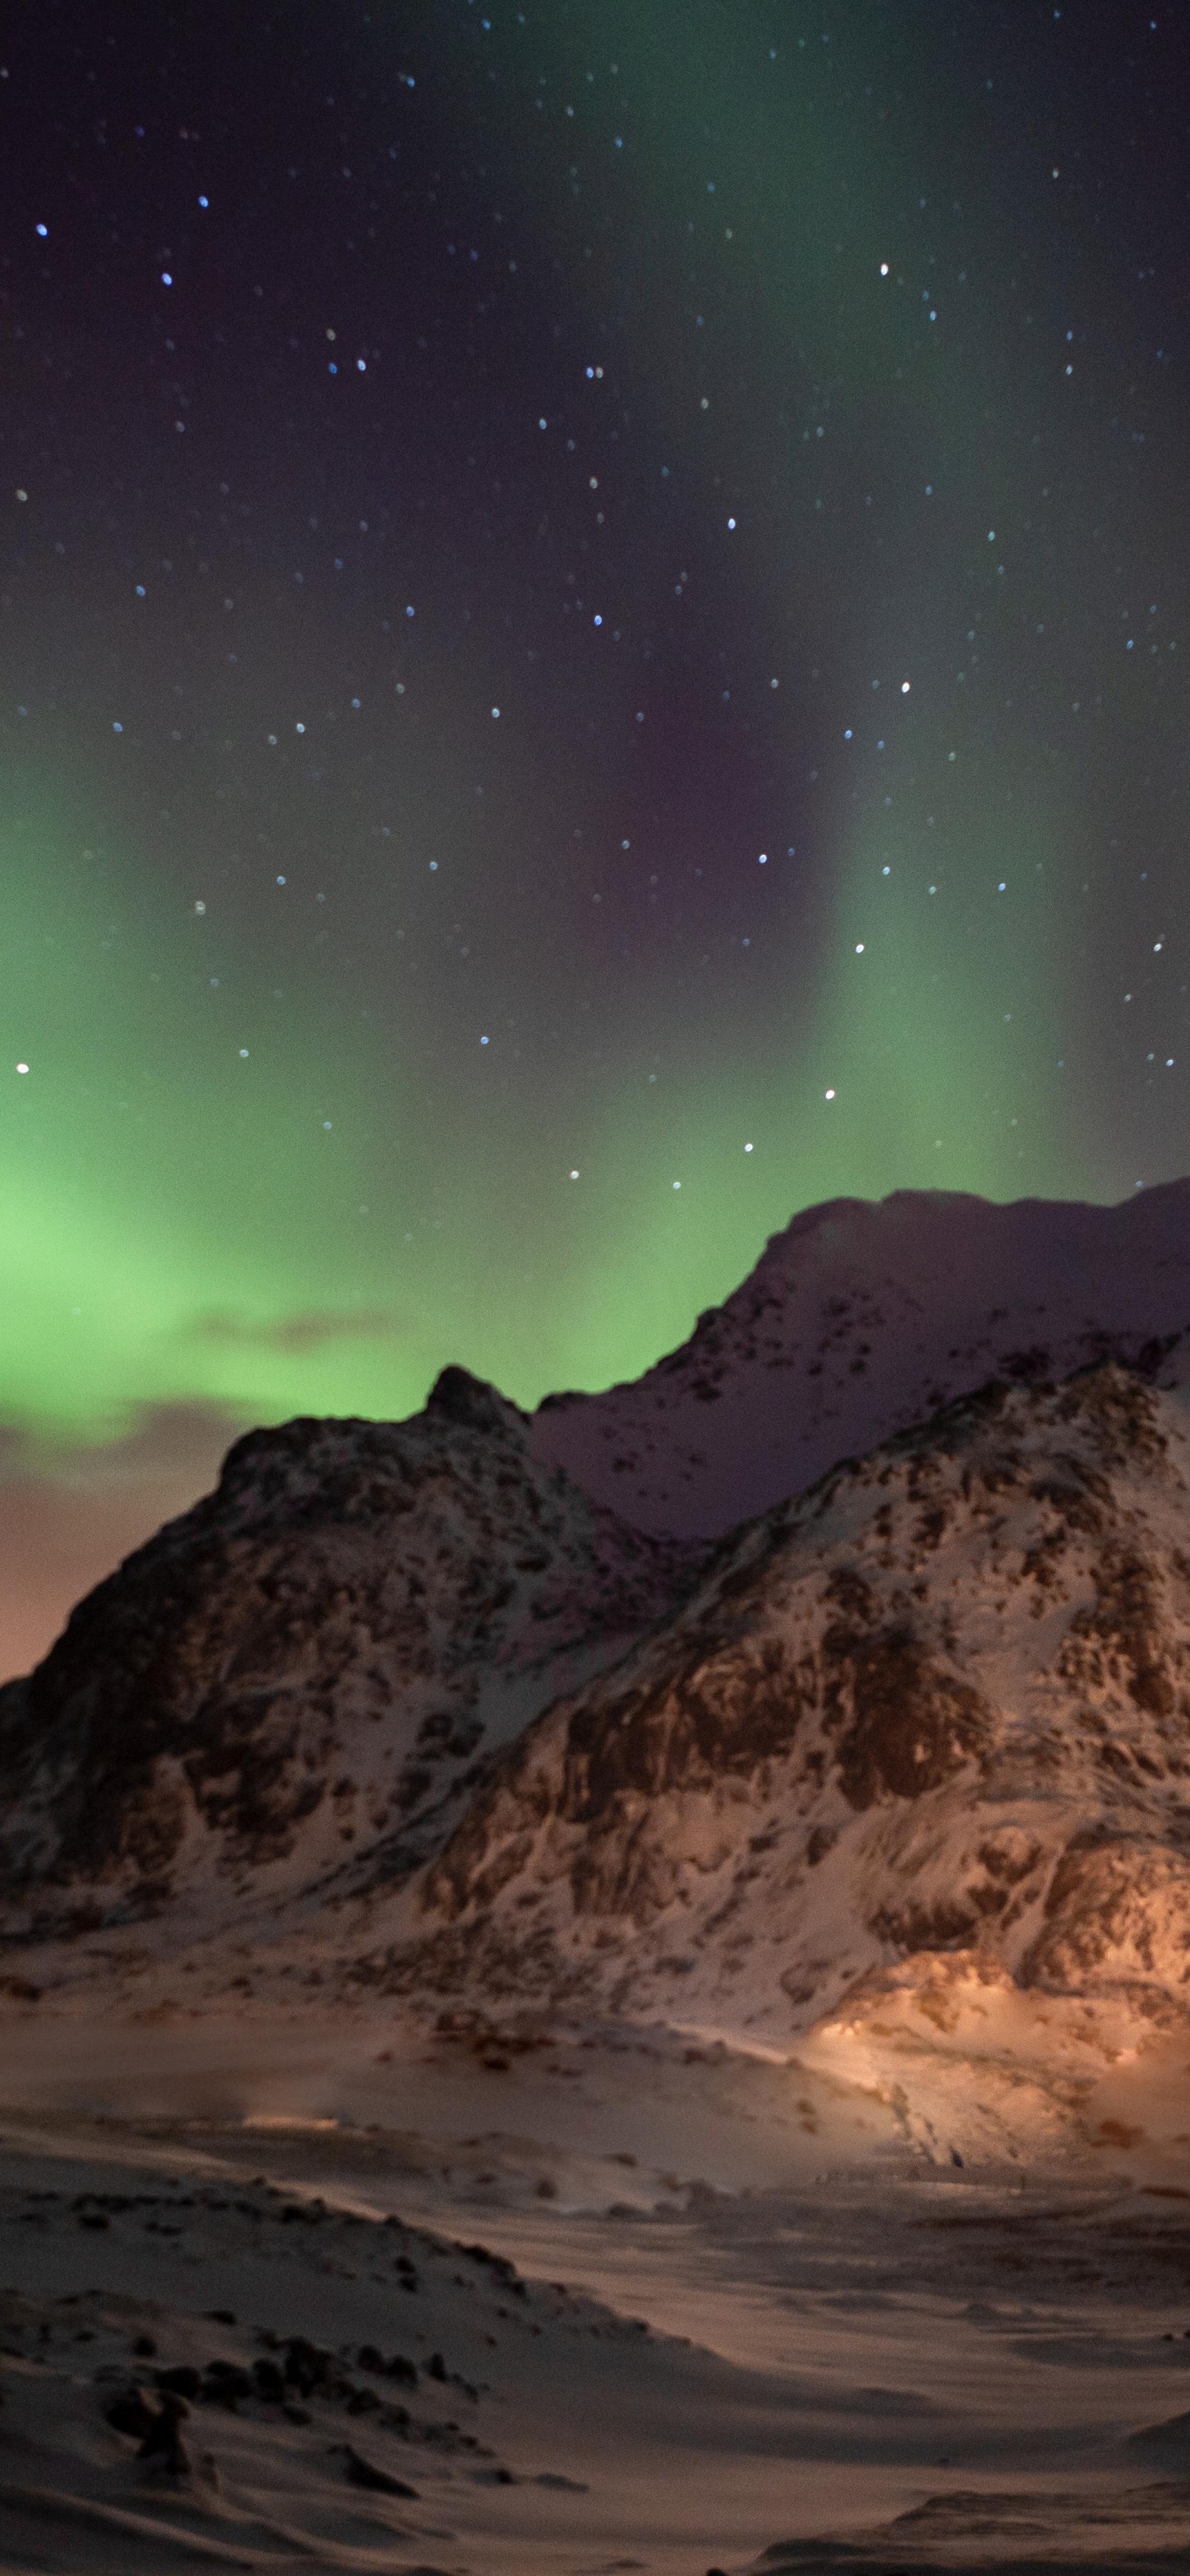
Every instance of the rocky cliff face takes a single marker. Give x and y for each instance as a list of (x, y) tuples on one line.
[(941, 1704), (304, 1674), (860, 1320), (934, 1710)]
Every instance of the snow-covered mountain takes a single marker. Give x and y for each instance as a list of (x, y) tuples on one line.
[(861, 1319), (404, 1707), (312, 1663), (939, 1707)]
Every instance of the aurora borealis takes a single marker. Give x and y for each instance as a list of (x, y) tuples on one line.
[(594, 620)]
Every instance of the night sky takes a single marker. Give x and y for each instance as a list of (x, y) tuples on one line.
[(595, 639)]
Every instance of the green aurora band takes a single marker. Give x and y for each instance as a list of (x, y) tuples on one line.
[(318, 1223)]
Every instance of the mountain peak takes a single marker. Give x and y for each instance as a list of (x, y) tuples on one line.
[(936, 1706), (302, 1675), (457, 1396), (863, 1317)]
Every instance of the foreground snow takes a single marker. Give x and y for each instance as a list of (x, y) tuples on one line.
[(789, 2341)]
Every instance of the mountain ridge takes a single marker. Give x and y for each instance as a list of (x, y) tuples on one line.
[(862, 1317), (403, 1711), (938, 1706), (320, 1648)]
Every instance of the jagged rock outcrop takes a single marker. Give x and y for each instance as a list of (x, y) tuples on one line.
[(310, 1666), (935, 1709), (941, 1704), (861, 1319)]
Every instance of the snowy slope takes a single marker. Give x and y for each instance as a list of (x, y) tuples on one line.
[(861, 1319), (928, 1719), (311, 1664), (936, 1710)]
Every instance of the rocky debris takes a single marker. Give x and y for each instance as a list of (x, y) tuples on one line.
[(939, 1705), (306, 2377), (397, 2366), (303, 2370), (301, 1677), (155, 2422), (861, 1319)]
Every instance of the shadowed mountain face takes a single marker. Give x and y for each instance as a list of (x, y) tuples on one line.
[(314, 1661), (934, 1710), (939, 1705), (860, 1320)]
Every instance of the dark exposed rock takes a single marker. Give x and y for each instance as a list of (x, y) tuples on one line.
[(873, 1730), (225, 2383), (155, 2423), (901, 1722), (303, 1669), (183, 2380)]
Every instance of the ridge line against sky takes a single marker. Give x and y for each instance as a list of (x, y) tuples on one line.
[(593, 624)]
